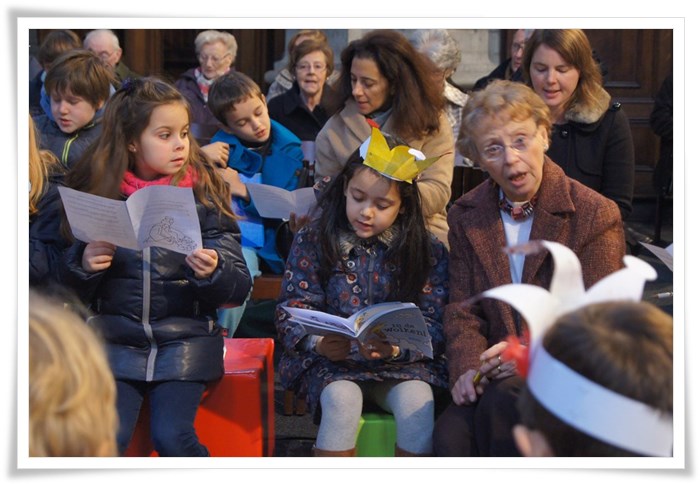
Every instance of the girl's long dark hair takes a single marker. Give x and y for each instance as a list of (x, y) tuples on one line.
[(410, 251)]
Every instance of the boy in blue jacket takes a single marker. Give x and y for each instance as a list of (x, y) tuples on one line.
[(260, 151)]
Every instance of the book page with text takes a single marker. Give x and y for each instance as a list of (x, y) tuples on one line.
[(318, 319)]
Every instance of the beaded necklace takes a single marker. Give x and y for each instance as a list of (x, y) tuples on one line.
[(521, 212)]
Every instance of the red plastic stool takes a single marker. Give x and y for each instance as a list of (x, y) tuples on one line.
[(236, 417)]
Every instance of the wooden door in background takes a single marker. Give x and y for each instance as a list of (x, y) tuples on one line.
[(637, 62)]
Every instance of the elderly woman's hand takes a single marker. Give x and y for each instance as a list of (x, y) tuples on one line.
[(471, 384), (493, 366), (464, 391)]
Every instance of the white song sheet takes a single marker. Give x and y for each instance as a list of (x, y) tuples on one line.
[(275, 202), (158, 215)]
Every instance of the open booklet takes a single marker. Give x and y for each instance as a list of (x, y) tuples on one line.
[(275, 202), (401, 324), (158, 215)]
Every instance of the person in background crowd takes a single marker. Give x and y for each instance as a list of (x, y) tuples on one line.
[(285, 78), (55, 43), (79, 85), (303, 109), (591, 137), (443, 51), (216, 53), (661, 121), (509, 69), (105, 44)]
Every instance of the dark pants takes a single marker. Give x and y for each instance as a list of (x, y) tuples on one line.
[(173, 406), (482, 429)]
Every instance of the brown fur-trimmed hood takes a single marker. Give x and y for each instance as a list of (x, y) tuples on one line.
[(590, 112)]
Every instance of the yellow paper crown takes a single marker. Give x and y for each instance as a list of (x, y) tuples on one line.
[(401, 163)]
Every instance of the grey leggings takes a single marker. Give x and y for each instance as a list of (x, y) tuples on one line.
[(410, 401)]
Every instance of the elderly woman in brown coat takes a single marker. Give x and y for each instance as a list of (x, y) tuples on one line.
[(506, 128)]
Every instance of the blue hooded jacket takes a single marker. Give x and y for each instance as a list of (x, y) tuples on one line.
[(280, 167)]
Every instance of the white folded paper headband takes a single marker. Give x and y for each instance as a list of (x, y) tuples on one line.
[(585, 405)]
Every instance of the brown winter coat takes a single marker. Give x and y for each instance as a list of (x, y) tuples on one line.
[(566, 212)]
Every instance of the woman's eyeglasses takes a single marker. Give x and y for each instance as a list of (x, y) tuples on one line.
[(496, 152), (516, 46), (310, 67), (215, 59)]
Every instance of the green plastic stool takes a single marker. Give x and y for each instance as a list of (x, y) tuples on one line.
[(376, 436)]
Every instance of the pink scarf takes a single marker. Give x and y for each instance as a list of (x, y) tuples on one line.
[(131, 182)]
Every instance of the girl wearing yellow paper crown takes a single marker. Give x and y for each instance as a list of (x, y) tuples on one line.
[(368, 245)]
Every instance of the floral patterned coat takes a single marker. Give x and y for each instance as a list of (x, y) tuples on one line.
[(361, 278)]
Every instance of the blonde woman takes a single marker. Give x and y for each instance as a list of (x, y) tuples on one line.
[(72, 394), (45, 241)]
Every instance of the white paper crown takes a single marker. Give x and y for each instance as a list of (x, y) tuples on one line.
[(581, 403)]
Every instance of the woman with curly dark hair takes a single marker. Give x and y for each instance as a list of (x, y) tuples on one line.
[(385, 82)]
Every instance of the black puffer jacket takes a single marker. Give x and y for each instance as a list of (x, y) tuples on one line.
[(46, 244), (159, 320)]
